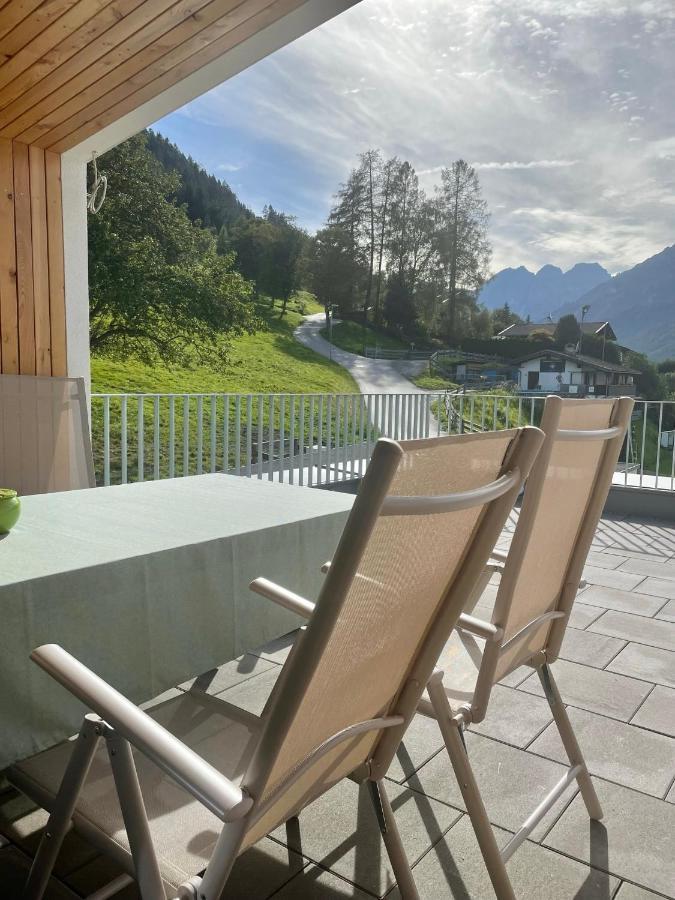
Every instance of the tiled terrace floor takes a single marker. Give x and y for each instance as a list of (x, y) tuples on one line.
[(616, 673)]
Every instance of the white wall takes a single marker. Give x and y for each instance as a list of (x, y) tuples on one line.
[(74, 198), (548, 381)]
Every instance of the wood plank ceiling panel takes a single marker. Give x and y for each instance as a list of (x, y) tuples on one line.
[(147, 81), (70, 68)]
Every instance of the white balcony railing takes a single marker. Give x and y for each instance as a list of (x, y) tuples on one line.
[(313, 439)]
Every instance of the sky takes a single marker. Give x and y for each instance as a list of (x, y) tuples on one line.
[(564, 107)]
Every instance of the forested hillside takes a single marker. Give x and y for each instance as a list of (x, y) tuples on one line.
[(206, 197)]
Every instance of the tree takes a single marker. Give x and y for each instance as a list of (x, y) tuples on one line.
[(336, 272), (503, 317), (463, 246), (649, 384), (399, 309), (567, 331), (158, 289)]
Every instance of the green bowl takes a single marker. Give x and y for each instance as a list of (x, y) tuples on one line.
[(10, 509)]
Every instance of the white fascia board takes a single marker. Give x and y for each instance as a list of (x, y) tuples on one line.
[(287, 29)]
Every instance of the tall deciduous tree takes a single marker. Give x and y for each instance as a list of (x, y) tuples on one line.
[(463, 245), (158, 288)]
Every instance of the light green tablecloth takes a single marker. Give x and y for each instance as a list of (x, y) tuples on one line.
[(147, 585)]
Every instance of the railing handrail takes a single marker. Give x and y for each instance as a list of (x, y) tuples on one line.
[(314, 438)]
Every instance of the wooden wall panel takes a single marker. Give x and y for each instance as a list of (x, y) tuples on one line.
[(57, 284), (32, 288), (9, 322), (24, 260), (38, 218)]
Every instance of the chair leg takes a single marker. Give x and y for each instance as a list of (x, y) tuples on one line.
[(569, 741), (63, 808), (392, 841), (456, 748), (135, 817)]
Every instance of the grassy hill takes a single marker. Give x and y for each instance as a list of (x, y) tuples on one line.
[(351, 336), (270, 361)]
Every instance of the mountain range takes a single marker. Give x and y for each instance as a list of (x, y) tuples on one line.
[(540, 294), (640, 302)]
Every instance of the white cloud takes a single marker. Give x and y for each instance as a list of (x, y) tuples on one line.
[(227, 167), (570, 98), (532, 164)]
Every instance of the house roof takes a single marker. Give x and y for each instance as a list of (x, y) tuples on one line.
[(526, 329), (585, 361), (68, 70)]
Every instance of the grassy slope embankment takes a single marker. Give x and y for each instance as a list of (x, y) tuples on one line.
[(268, 362), (351, 336)]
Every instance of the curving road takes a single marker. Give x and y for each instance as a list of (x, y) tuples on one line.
[(373, 376)]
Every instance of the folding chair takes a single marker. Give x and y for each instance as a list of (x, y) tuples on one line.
[(44, 434), (564, 498), (187, 787)]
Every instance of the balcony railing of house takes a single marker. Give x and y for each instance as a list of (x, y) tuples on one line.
[(318, 439)]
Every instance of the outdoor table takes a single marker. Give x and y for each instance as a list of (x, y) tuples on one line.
[(147, 584)]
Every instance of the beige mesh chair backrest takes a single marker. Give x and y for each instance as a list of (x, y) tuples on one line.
[(563, 501), (371, 629), (44, 434)]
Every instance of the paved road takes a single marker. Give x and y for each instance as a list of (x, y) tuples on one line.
[(373, 376)]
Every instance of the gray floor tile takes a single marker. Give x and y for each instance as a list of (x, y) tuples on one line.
[(257, 873), (317, 884), (618, 752), (631, 892), (98, 873), (22, 823), (262, 870), (253, 694), (647, 552), (455, 868), (627, 581), (659, 587), (658, 713), (604, 560), (278, 649), (422, 741), (339, 831), (634, 840), (667, 612), (228, 675), (14, 868), (512, 782), (624, 601), (660, 568), (654, 632), (582, 615), (514, 717), (513, 679), (594, 689), (590, 649), (649, 663)]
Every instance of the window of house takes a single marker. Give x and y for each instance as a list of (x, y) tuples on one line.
[(552, 365)]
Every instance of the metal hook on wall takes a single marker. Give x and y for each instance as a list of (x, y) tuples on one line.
[(98, 191)]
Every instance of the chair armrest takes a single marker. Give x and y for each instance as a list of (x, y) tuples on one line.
[(294, 602), (479, 627), (191, 771)]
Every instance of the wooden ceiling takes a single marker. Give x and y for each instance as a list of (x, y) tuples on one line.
[(69, 68)]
